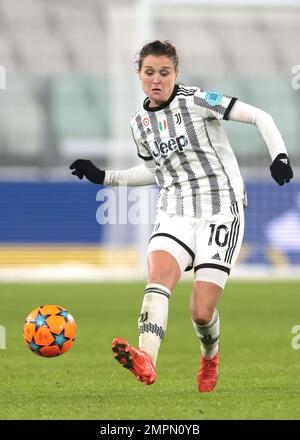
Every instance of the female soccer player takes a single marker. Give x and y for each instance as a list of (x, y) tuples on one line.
[(200, 219)]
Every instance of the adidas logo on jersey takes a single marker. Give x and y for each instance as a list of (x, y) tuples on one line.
[(216, 257), (167, 147)]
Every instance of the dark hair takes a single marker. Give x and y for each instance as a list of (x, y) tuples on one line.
[(158, 48)]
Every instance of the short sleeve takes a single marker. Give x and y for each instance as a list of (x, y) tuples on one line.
[(213, 105), (139, 137)]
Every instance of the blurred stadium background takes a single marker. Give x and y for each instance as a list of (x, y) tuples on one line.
[(70, 90)]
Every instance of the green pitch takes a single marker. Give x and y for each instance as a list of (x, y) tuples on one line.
[(259, 370)]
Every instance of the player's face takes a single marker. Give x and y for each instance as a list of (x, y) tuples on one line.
[(158, 76)]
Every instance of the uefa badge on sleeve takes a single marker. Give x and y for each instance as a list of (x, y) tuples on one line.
[(213, 98)]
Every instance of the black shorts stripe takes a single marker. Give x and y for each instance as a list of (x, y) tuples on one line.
[(212, 266), (163, 234), (234, 234), (230, 240), (187, 269)]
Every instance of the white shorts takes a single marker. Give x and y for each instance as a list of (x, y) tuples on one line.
[(210, 245)]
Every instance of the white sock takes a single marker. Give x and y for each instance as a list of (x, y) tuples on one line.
[(153, 318), (209, 336)]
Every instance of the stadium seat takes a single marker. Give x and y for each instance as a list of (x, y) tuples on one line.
[(38, 57), (230, 49), (23, 14), (7, 56), (76, 110), (21, 119)]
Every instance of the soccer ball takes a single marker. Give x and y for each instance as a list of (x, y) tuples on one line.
[(49, 331)]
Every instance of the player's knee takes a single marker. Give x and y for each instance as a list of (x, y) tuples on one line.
[(203, 316)]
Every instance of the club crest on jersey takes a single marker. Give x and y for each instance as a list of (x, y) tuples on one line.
[(165, 148), (163, 125), (213, 98), (178, 118)]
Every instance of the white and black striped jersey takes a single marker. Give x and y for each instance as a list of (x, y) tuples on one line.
[(196, 169)]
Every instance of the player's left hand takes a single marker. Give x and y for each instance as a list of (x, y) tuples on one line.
[(281, 170)]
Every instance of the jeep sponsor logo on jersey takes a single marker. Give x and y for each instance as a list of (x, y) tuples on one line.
[(165, 148)]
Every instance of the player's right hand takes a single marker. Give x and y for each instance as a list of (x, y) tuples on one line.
[(281, 170), (86, 168)]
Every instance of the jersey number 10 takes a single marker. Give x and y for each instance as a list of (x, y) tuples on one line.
[(219, 235)]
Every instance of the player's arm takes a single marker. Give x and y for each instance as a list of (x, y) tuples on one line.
[(281, 170), (140, 175)]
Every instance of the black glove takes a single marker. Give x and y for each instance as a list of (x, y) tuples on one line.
[(86, 168), (281, 170)]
